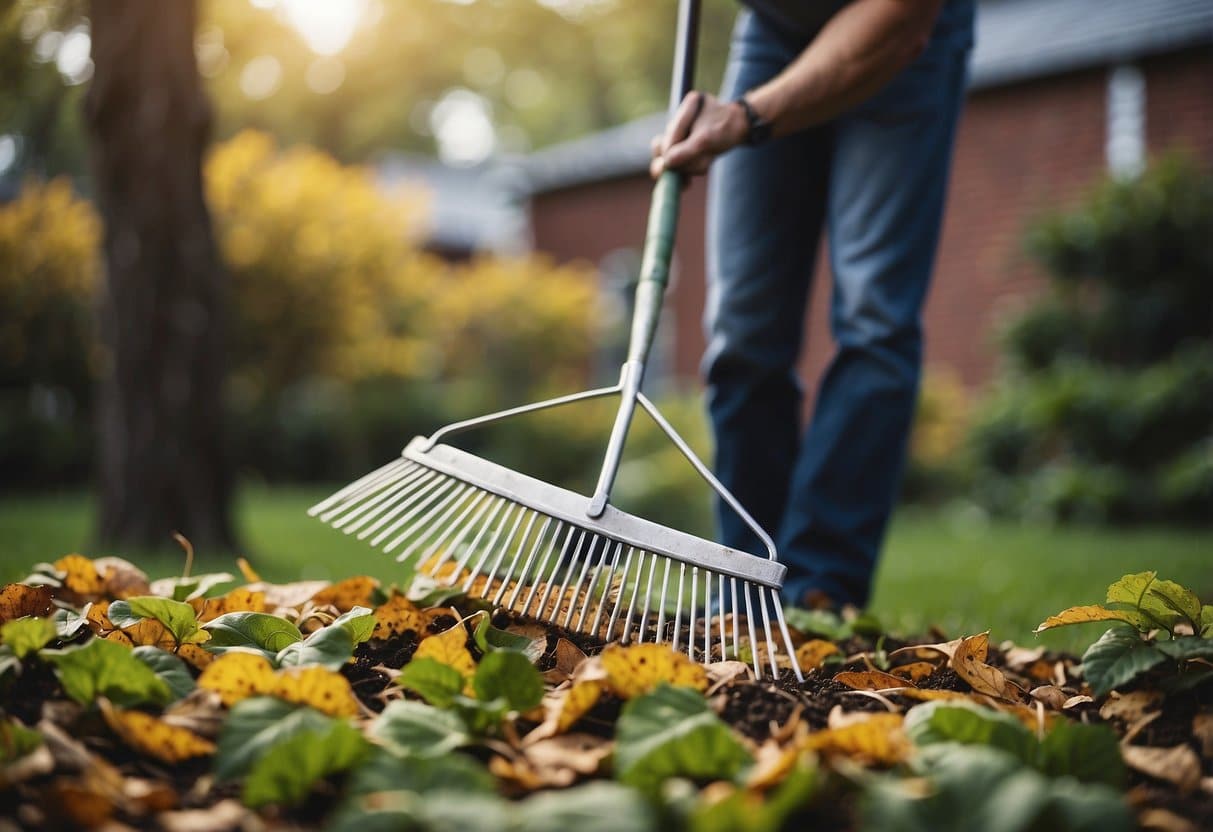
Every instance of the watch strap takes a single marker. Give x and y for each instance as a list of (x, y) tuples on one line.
[(759, 128)]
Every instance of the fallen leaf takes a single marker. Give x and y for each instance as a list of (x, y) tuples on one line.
[(196, 656), (325, 690), (813, 652), (980, 676), (120, 578), (20, 600), (154, 737), (638, 668), (1202, 729), (1130, 707), (397, 616), (81, 577), (1178, 765), (877, 739), (722, 673), (450, 648), (869, 680), (80, 801), (347, 594), (772, 762), (1163, 820), (559, 761), (930, 695), (287, 595), (1050, 695), (240, 599), (1075, 701), (578, 700), (200, 712), (978, 645), (914, 671), (237, 675), (567, 656), (1017, 657), (225, 815)]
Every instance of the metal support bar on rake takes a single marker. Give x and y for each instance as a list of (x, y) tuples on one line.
[(558, 556)]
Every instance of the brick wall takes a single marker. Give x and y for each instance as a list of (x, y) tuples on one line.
[(1021, 150)]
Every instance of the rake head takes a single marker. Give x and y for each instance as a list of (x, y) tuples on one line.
[(530, 547)]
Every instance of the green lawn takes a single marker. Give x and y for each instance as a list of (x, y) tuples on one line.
[(940, 567)]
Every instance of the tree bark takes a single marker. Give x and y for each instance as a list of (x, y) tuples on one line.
[(162, 460)]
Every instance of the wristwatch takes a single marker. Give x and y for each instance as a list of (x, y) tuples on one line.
[(760, 128)]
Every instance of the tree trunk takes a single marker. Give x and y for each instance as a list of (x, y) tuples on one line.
[(163, 465)]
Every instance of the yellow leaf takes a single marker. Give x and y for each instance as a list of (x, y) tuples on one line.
[(154, 737), (914, 671), (812, 653), (347, 594), (195, 655), (321, 688), (1091, 612), (235, 676), (878, 739), (638, 669), (397, 616), (932, 695), (20, 600), (82, 577), (871, 680), (450, 648), (238, 600), (150, 631), (982, 677), (578, 700)]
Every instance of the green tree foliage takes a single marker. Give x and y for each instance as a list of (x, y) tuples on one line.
[(1106, 409)]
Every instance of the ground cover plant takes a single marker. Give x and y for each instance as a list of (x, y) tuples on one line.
[(225, 701)]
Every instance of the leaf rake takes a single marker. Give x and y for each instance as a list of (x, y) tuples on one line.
[(573, 561)]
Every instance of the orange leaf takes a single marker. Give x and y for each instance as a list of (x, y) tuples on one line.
[(235, 676), (812, 653), (638, 669), (20, 600), (154, 737), (914, 671), (980, 676), (870, 680), (347, 594), (241, 599), (397, 616), (450, 648), (195, 655), (323, 689), (877, 739)]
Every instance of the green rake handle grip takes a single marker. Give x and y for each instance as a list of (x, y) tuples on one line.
[(654, 266)]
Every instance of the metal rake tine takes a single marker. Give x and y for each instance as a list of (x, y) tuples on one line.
[(424, 521), (547, 593), (665, 585), (736, 610), (474, 523), (627, 619), (648, 596), (371, 498), (408, 508), (585, 566), (707, 617), (749, 620), (589, 591), (623, 580), (488, 550), (692, 610), (456, 524), (530, 524), (720, 618), (606, 588), (766, 626), (443, 524), (787, 639), (379, 473), (519, 581), (547, 559), (682, 573), (391, 501)]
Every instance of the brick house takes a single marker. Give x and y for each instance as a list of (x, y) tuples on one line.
[(1061, 93)]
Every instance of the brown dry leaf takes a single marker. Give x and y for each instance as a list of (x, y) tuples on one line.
[(772, 762), (870, 680), (722, 673), (1042, 671), (20, 600), (559, 761), (201, 711), (347, 594), (914, 671), (567, 656), (1050, 695), (980, 676), (287, 595), (154, 737), (397, 616), (240, 599), (877, 739), (225, 815), (323, 689), (1202, 729), (37, 763), (1132, 706), (81, 577), (1178, 765), (979, 645), (81, 801), (1075, 701), (813, 652), (1162, 820), (932, 695), (1017, 658), (450, 648), (121, 578), (236, 676), (638, 668)]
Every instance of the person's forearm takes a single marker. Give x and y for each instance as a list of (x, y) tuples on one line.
[(858, 51)]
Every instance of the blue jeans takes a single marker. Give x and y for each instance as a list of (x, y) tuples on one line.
[(875, 178)]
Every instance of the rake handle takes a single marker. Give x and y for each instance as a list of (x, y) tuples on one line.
[(654, 265)]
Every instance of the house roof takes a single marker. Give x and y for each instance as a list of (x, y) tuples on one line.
[(1016, 40)]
